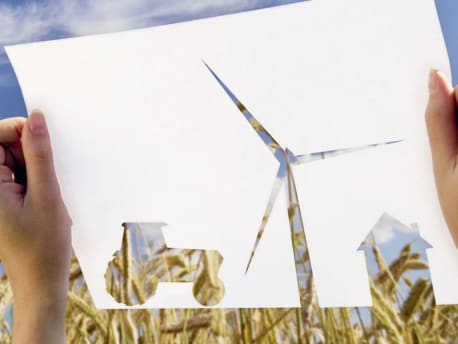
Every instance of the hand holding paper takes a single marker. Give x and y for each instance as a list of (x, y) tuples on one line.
[(195, 163), (443, 137), (35, 245)]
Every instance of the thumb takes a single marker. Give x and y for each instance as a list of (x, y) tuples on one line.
[(41, 178), (441, 122)]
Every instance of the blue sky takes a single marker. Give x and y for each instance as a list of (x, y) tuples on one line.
[(448, 12), (27, 21)]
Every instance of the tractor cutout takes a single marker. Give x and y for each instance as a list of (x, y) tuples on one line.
[(144, 260)]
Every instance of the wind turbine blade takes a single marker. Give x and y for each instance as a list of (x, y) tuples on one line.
[(265, 219), (302, 262), (265, 136), (271, 144), (310, 157)]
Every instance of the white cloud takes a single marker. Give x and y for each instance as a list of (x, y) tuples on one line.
[(37, 20), (31, 21), (386, 227), (26, 22)]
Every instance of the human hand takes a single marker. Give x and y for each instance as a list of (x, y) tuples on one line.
[(35, 240), (441, 122)]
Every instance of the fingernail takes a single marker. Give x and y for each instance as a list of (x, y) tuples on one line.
[(432, 84), (37, 123)]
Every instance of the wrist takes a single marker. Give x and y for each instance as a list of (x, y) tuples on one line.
[(39, 318), (50, 295), (31, 283)]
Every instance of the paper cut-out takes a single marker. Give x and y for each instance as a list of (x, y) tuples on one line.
[(400, 282), (389, 229), (399, 314), (287, 160), (145, 260), (284, 157), (381, 245), (149, 137)]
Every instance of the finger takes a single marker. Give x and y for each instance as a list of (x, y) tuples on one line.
[(441, 122), (15, 161), (42, 183), (6, 174), (10, 135), (10, 129), (14, 155), (455, 91), (8, 189), (2, 155)]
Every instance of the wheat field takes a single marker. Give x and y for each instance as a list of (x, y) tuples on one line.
[(131, 278)]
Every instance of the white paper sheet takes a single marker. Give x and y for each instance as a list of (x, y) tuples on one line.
[(142, 132)]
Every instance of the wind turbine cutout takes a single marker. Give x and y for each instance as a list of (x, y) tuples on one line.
[(288, 160)]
